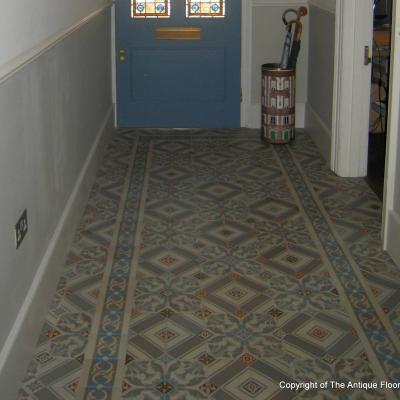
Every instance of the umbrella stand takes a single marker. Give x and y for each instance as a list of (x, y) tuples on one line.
[(278, 98)]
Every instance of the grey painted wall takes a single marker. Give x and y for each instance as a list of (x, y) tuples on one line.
[(321, 63), (50, 114)]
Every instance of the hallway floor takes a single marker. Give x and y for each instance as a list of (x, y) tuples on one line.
[(209, 265)]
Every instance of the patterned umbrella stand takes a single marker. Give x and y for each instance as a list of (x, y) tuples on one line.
[(278, 103)]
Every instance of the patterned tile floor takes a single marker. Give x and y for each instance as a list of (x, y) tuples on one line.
[(209, 265)]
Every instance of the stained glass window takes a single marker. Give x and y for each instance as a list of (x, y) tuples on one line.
[(205, 8), (150, 8)]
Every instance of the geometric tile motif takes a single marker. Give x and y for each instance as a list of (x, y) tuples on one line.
[(251, 385), (274, 210), (230, 296), (319, 333), (232, 233), (212, 159), (219, 191), (165, 336), (175, 210), (319, 336), (259, 381), (173, 174), (291, 259), (160, 260), (235, 293)]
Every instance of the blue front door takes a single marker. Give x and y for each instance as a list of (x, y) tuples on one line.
[(181, 70)]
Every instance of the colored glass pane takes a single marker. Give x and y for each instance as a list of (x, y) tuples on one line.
[(150, 9), (205, 8)]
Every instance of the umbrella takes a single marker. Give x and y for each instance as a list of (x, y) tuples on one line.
[(295, 50), (286, 46), (288, 38), (294, 53)]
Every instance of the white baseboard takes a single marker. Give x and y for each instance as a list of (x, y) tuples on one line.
[(20, 344), (254, 116), (319, 131), (393, 237)]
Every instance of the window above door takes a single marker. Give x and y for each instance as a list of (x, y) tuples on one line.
[(162, 8), (205, 9), (150, 9)]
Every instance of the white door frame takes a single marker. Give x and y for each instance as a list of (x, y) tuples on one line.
[(354, 23), (247, 16), (352, 85), (391, 219)]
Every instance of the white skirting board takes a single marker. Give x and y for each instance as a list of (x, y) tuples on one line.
[(393, 236), (19, 346), (319, 132), (254, 116)]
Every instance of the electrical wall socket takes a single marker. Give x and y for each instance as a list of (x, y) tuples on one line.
[(21, 228)]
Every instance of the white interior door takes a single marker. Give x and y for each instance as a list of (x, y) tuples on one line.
[(354, 30), (391, 214)]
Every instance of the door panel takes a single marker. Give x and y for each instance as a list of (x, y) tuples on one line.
[(178, 83), (180, 78)]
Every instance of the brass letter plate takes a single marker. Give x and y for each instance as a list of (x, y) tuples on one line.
[(178, 33)]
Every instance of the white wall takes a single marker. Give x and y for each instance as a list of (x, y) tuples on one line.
[(53, 110), (26, 23), (327, 5), (321, 63), (321, 74)]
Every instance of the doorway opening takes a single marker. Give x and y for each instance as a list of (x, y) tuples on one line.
[(379, 95)]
